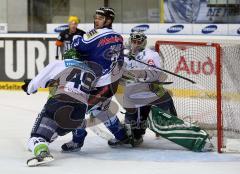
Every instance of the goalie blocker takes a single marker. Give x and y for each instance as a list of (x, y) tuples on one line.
[(183, 133)]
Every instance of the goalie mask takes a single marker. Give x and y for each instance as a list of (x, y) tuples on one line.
[(137, 42)]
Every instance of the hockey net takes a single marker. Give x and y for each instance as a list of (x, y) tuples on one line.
[(213, 102)]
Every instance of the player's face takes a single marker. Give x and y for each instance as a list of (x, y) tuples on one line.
[(136, 45), (136, 42), (99, 21), (73, 26)]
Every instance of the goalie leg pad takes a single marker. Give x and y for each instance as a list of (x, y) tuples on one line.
[(166, 103), (176, 130)]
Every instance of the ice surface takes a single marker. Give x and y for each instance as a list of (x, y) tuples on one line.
[(18, 112)]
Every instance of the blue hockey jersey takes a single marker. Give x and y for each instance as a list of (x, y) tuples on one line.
[(105, 48)]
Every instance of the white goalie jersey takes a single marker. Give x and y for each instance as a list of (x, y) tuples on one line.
[(137, 93)]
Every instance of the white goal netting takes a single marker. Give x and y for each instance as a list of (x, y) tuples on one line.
[(215, 69)]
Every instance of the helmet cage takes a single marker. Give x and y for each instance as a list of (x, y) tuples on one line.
[(137, 41)]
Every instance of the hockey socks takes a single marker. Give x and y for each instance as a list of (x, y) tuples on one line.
[(77, 141), (116, 128)]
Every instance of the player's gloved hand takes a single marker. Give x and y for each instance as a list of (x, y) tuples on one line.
[(131, 56), (73, 54), (128, 53), (157, 89), (25, 85)]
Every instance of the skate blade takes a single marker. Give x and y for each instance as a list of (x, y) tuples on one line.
[(71, 151), (119, 146), (35, 162)]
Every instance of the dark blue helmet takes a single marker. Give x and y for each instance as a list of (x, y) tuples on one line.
[(107, 12)]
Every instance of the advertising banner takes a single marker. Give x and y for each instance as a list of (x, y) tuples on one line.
[(198, 11), (57, 28), (234, 29), (210, 29), (159, 28), (118, 27), (23, 58), (175, 28), (146, 28)]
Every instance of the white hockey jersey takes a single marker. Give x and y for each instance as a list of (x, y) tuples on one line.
[(73, 78), (138, 94)]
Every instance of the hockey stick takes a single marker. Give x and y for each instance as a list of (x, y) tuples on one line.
[(130, 57), (166, 71), (57, 55), (93, 122), (93, 125), (159, 83), (132, 80)]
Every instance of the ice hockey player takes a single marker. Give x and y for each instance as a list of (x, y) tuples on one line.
[(65, 110), (64, 39), (144, 93), (139, 95), (105, 47)]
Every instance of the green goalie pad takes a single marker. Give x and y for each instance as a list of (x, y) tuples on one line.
[(183, 133)]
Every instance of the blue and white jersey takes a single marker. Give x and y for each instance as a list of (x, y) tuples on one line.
[(105, 48)]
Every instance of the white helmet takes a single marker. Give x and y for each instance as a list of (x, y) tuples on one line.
[(137, 42)]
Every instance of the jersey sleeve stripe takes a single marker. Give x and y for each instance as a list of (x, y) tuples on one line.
[(97, 37)]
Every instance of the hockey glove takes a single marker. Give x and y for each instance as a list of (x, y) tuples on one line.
[(157, 89), (73, 54), (25, 85), (131, 56)]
